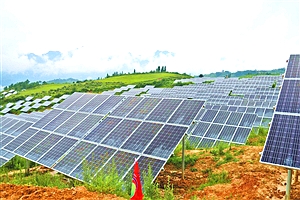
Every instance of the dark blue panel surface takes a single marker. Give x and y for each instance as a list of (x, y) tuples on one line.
[(283, 143), (74, 157), (121, 133), (144, 108), (94, 161), (29, 144), (166, 141), (164, 110), (186, 112), (57, 151), (104, 128), (20, 139), (289, 98), (139, 140), (43, 147)]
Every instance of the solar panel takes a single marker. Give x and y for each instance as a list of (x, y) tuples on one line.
[(283, 143), (108, 105), (194, 141), (97, 134), (234, 118), (201, 129), (8, 125), (74, 157), (71, 123), (46, 119), (142, 137), (30, 143), (166, 141), (80, 102), (83, 127), (14, 127), (293, 70), (144, 108), (289, 97), (241, 135), (43, 147), (122, 161), (69, 100), (121, 133), (21, 129), (282, 146), (146, 162), (213, 131), (164, 110), (95, 160), (206, 143), (221, 117), (227, 133), (61, 118), (248, 120), (186, 112), (209, 115), (55, 153), (20, 139), (126, 106)]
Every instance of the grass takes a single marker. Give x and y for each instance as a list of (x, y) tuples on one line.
[(216, 178), (188, 160), (41, 89), (143, 77), (257, 139), (208, 81), (259, 74)]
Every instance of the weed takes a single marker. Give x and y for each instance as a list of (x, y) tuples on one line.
[(228, 158), (150, 189), (106, 180), (257, 139), (207, 171), (168, 194), (193, 169), (188, 160), (218, 178), (239, 152)]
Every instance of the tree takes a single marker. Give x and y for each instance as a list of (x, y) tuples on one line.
[(134, 71), (158, 69), (201, 76)]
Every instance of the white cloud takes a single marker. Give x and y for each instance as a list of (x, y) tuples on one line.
[(117, 35)]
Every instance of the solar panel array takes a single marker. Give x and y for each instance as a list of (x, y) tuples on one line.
[(103, 129), (28, 104), (12, 126), (282, 147), (214, 126)]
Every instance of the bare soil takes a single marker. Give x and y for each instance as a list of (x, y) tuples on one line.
[(249, 180)]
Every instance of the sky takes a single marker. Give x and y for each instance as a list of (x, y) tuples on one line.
[(92, 38)]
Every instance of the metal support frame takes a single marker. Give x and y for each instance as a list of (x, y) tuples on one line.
[(182, 156), (288, 185)]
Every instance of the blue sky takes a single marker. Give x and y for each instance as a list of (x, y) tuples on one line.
[(58, 38)]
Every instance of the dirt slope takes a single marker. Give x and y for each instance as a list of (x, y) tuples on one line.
[(249, 179)]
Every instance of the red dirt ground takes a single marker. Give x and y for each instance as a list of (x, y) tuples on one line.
[(249, 180)]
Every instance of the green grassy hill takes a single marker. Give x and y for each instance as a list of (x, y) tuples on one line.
[(164, 79)]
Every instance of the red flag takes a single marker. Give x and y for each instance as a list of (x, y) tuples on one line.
[(136, 188)]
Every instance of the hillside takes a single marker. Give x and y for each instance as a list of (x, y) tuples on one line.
[(246, 179), (41, 89), (246, 73)]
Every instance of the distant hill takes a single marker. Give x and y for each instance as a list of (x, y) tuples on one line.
[(246, 72), (69, 80)]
